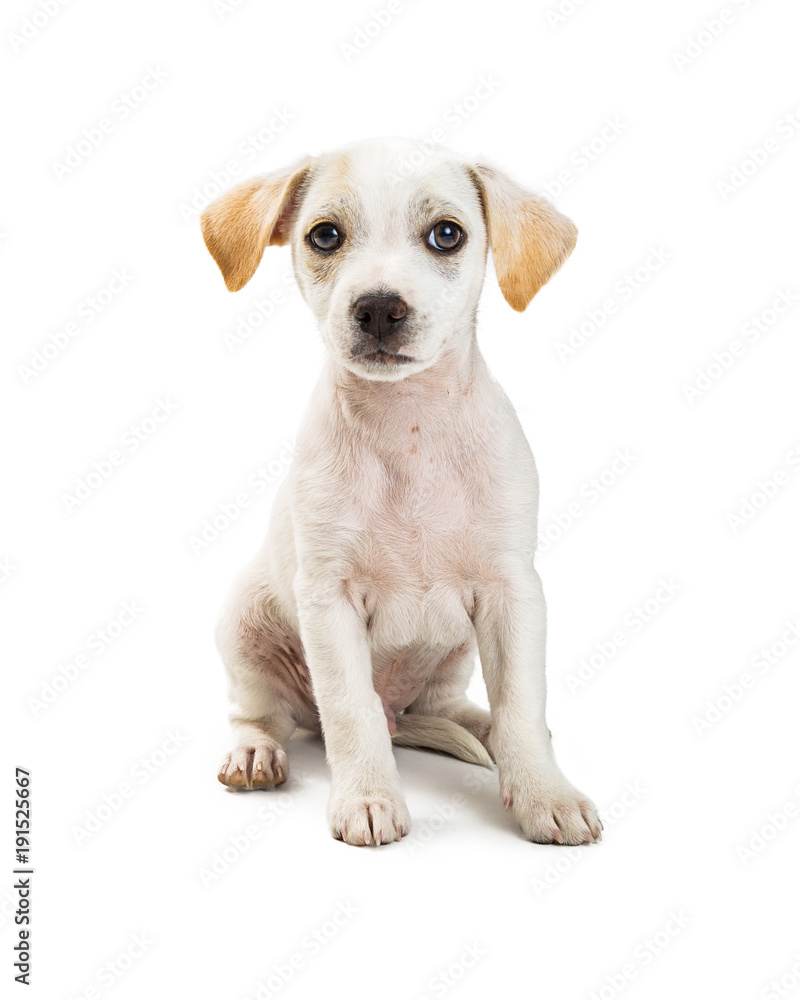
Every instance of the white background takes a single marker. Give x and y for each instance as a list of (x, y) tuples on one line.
[(700, 167)]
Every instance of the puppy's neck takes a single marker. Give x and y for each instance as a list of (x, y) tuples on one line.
[(436, 395)]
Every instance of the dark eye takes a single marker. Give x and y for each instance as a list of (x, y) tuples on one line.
[(325, 236), (445, 235)]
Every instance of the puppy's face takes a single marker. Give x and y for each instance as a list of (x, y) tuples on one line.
[(392, 267), (390, 261)]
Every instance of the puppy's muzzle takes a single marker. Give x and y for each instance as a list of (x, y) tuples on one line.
[(381, 320)]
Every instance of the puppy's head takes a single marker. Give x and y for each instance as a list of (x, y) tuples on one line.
[(391, 262)]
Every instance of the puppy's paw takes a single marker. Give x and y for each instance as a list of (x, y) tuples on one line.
[(261, 766), (553, 813), (369, 820)]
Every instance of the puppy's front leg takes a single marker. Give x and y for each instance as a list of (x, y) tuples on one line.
[(510, 623), (366, 805)]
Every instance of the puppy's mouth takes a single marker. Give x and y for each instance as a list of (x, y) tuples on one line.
[(380, 356)]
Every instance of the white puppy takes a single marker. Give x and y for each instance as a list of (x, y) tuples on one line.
[(402, 538)]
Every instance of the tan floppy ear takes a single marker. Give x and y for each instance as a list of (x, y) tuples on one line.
[(530, 240), (239, 225)]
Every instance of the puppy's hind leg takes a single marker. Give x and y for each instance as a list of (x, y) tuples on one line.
[(258, 758), (266, 671)]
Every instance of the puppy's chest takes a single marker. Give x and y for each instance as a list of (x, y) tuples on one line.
[(416, 571), (429, 516), (426, 535)]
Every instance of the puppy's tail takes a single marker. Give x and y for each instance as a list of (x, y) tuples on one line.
[(431, 732)]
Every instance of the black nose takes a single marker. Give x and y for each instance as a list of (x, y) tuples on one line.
[(380, 315)]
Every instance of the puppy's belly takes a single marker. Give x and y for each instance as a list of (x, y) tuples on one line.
[(414, 633)]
